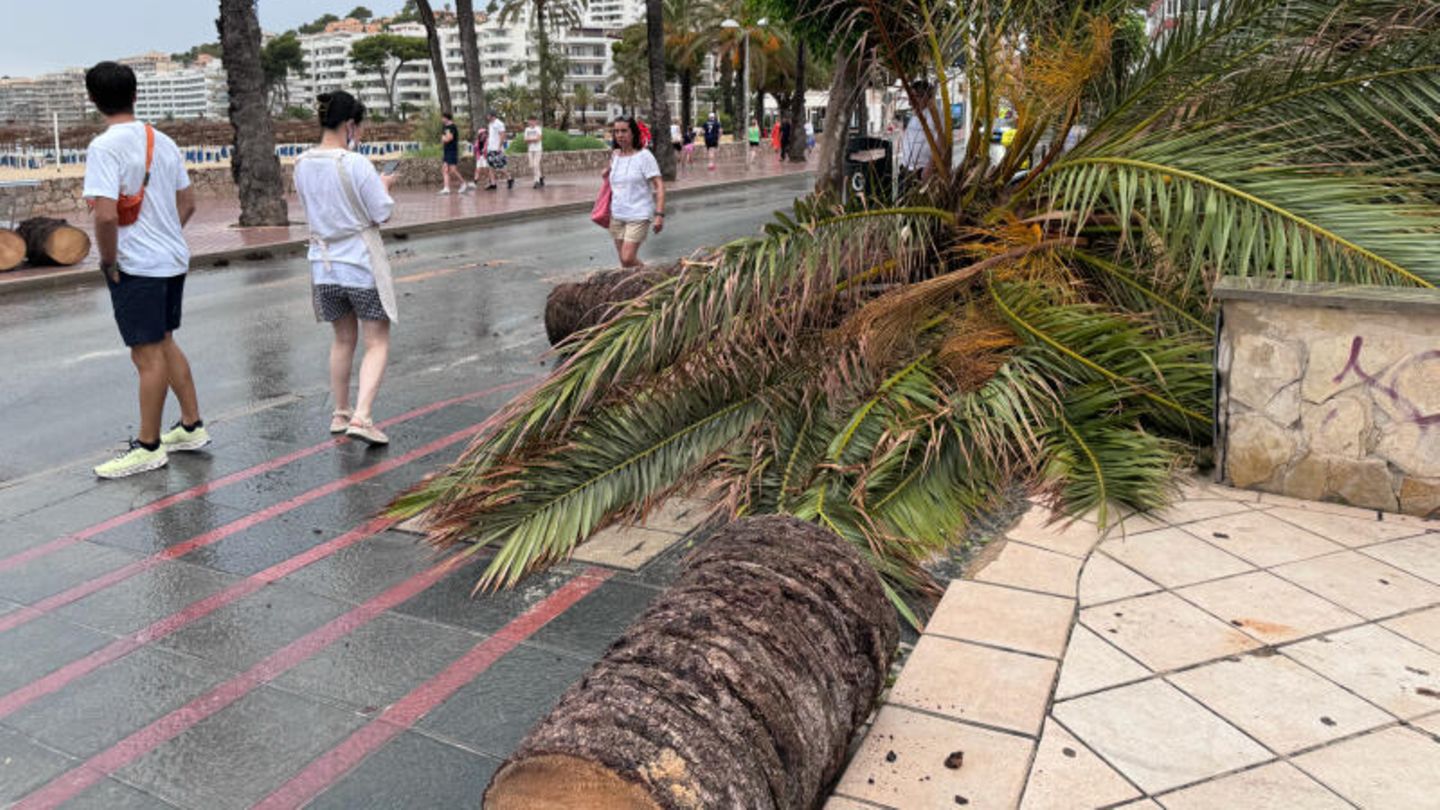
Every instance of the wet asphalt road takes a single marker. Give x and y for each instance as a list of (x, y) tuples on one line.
[(237, 630)]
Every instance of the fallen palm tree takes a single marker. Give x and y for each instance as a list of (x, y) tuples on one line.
[(700, 705), (576, 305)]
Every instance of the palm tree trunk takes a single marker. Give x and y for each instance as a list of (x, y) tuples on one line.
[(687, 105), (844, 83), (437, 57), (727, 92), (659, 109), (470, 52), (797, 107), (542, 44), (254, 166)]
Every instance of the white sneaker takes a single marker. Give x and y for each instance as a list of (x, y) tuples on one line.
[(444, 191), (467, 187)]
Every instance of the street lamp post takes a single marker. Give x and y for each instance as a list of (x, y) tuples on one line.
[(743, 126)]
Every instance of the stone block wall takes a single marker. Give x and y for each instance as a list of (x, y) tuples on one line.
[(1330, 392)]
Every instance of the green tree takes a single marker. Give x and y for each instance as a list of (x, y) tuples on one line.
[(360, 13), (1038, 315), (544, 16), (629, 68), (188, 57), (584, 97), (437, 57), (686, 45), (318, 24), (280, 58), (387, 53)]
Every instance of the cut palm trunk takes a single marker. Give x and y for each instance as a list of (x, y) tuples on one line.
[(578, 305), (53, 241), (741, 686), (12, 250)]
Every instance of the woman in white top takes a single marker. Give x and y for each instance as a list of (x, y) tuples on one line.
[(345, 201), (534, 142), (637, 194)]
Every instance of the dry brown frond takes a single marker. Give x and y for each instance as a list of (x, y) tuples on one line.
[(976, 347), (1058, 70)]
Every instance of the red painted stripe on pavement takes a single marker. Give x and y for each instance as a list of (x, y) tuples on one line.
[(64, 676), (15, 618), (325, 771), (22, 557), (75, 781)]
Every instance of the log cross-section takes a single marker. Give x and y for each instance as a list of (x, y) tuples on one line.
[(740, 687), (53, 241)]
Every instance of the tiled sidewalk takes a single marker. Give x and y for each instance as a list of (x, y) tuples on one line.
[(212, 236), (1237, 651)]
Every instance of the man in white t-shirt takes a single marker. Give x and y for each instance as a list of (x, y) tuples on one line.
[(144, 259), (535, 145), (914, 146), (495, 153)]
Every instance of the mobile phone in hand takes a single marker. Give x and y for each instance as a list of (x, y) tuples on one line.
[(390, 167)]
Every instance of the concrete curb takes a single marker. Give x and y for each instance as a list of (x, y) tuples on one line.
[(88, 276)]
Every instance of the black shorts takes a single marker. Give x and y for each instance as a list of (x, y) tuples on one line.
[(146, 309), (333, 302), (451, 158)]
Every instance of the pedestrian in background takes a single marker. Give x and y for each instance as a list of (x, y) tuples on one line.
[(495, 153), (914, 145), (809, 137), (139, 192), (752, 136), (637, 193), (450, 146), (687, 149), (787, 131), (712, 132), (345, 201), (535, 144)]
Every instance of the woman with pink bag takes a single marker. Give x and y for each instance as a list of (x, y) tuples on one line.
[(636, 194)]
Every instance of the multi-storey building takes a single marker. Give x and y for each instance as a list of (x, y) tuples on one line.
[(175, 92), (612, 15), (40, 100)]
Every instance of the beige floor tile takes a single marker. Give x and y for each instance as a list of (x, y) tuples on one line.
[(979, 684), (1164, 632), (1269, 608), (1188, 511), (1269, 500), (1414, 555), (1394, 673), (1268, 787), (1261, 539), (1352, 529), (1068, 775), (1423, 628), (1090, 664), (1278, 702), (991, 775), (1105, 580), (1156, 736), (628, 547), (1198, 487), (1173, 558), (1135, 524), (1430, 724), (1365, 585), (1072, 537), (1143, 804), (842, 803), (1390, 769), (1005, 617), (1033, 569), (678, 515), (414, 525)]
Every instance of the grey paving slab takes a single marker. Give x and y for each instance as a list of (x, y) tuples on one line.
[(245, 631), (18, 534), (380, 662), (241, 753), (109, 794), (169, 526), (78, 511), (21, 497), (267, 543), (39, 647), (449, 601), (292, 479), (64, 568), (589, 627), (493, 712), (147, 597), (412, 771), (105, 706), (26, 765), (366, 569)]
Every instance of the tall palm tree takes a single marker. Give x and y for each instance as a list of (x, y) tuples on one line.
[(545, 16), (256, 170), (659, 104), (437, 56), (685, 48), (797, 106), (470, 53), (1040, 317)]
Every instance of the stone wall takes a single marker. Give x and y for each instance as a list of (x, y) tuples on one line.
[(62, 196), (1331, 392)]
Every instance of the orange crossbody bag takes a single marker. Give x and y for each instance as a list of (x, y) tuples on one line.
[(128, 206)]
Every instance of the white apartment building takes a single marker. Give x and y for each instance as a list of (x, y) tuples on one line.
[(38, 100), (174, 92), (612, 15)]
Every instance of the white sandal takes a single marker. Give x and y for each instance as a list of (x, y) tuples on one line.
[(365, 431), (340, 421)]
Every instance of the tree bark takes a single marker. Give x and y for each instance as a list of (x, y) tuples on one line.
[(740, 686), (53, 241), (844, 82), (659, 109), (542, 45), (727, 93), (253, 165), (437, 56), (687, 105), (797, 107), (470, 52), (577, 305)]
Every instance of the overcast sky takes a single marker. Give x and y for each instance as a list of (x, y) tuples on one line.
[(45, 35)]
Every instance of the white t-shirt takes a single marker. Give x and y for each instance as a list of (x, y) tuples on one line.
[(630, 197), (914, 148), (536, 134), (330, 215), (495, 141), (115, 165)]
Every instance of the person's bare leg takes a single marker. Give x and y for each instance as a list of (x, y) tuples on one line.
[(630, 254), (372, 367), (342, 357), (149, 361), (177, 368)]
